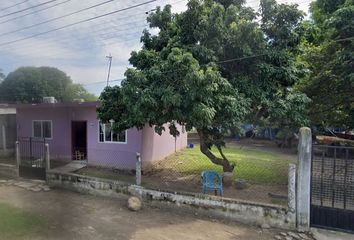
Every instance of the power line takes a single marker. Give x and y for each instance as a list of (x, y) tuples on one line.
[(242, 58), (343, 39), (33, 12), (173, 70), (94, 27), (90, 47), (232, 59), (170, 71), (102, 82), (76, 23), (105, 44), (14, 5), (57, 18), (25, 9), (171, 3), (255, 4), (68, 37)]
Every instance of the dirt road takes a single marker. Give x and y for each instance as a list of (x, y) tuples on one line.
[(68, 215)]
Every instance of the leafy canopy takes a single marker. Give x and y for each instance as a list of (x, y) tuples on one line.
[(210, 67), (31, 84), (328, 46)]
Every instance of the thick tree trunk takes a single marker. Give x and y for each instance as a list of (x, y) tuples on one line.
[(224, 162)]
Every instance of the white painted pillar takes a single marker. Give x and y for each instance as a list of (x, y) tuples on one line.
[(304, 179), (18, 157), (3, 131), (47, 157), (138, 169), (292, 188)]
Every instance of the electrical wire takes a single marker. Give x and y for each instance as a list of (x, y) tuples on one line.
[(94, 27), (57, 18), (344, 39), (14, 5), (76, 23), (134, 15), (25, 9), (33, 12)]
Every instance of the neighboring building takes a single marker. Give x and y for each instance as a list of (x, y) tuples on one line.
[(73, 131), (7, 130)]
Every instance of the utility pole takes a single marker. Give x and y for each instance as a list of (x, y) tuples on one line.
[(109, 67)]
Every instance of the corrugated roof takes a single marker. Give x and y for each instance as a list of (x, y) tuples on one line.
[(7, 111)]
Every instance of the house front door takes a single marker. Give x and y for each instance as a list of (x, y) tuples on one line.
[(79, 140)]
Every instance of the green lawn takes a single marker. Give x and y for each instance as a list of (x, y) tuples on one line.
[(106, 173), (255, 166), (18, 224), (252, 165)]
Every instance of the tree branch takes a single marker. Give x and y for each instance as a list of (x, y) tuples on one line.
[(227, 167)]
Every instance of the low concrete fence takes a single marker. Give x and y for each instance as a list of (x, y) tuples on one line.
[(8, 170), (7, 152), (247, 212)]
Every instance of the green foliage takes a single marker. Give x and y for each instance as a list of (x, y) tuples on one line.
[(31, 84), (328, 48), (77, 91), (18, 224), (209, 67), (289, 112)]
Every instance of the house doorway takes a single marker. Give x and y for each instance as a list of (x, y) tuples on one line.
[(79, 140)]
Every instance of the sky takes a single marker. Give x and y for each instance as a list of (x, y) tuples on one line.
[(90, 31)]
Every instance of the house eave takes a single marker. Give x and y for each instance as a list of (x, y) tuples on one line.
[(58, 105)]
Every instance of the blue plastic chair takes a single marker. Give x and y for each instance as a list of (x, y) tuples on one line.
[(211, 180)]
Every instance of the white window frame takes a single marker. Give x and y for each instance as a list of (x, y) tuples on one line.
[(104, 135), (41, 121)]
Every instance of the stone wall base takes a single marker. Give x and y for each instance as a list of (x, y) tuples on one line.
[(246, 212), (7, 170), (7, 153)]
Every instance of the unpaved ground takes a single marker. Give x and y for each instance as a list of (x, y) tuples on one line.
[(75, 216)]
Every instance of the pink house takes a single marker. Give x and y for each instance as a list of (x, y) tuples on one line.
[(73, 131)]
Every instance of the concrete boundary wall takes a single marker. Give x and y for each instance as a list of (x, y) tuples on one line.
[(7, 170), (246, 212), (7, 152)]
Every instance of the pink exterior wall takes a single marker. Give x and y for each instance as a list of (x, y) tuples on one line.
[(157, 147), (120, 155), (152, 146)]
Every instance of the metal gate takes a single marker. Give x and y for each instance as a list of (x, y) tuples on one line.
[(32, 158), (332, 187)]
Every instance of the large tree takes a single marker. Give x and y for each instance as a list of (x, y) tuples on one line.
[(210, 68), (31, 84), (328, 49)]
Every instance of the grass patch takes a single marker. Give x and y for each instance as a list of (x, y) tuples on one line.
[(106, 173), (18, 224), (254, 166)]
